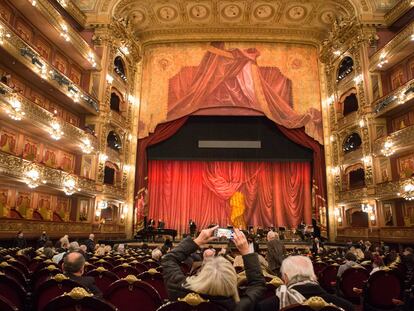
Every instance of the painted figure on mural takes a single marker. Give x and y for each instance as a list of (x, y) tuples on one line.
[(30, 151), (7, 143), (23, 205), (4, 209)]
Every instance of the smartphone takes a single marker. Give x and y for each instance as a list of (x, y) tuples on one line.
[(223, 232)]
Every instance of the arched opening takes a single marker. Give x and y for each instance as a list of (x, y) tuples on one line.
[(350, 104), (114, 141), (119, 68), (357, 178), (109, 175), (352, 143), (115, 102), (345, 68)]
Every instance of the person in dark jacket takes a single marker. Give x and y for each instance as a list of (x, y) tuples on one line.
[(73, 267), (42, 240), (20, 241), (300, 284), (90, 243), (275, 252), (217, 280)]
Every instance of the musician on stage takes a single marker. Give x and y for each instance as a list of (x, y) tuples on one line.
[(161, 224), (193, 228), (151, 224)]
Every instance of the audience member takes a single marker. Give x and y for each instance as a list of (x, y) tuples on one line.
[(20, 241), (350, 261), (300, 284), (156, 254), (317, 247), (73, 267), (42, 240), (100, 250), (217, 279), (48, 250), (275, 253), (408, 258), (90, 243), (377, 263)]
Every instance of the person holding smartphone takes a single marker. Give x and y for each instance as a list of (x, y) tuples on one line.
[(217, 279)]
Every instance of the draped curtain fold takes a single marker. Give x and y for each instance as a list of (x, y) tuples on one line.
[(274, 193)]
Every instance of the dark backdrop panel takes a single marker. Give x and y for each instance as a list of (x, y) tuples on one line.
[(274, 145)]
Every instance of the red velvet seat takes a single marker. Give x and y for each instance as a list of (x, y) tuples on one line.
[(23, 259), (139, 266), (154, 278), (124, 270), (327, 278), (51, 289), (19, 265), (382, 287), (191, 302), (312, 304), (354, 277), (42, 275), (129, 294), (103, 263), (103, 278), (14, 273), (12, 291), (150, 263), (78, 299), (7, 305), (89, 267), (46, 263), (271, 286), (34, 263), (318, 267)]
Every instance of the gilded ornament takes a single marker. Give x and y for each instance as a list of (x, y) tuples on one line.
[(78, 293), (193, 299)]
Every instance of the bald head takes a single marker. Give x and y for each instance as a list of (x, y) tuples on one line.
[(91, 236), (74, 263)]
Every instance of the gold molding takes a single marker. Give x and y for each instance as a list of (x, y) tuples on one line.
[(193, 299), (78, 293), (397, 11)]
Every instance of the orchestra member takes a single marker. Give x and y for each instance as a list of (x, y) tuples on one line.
[(193, 228), (161, 224)]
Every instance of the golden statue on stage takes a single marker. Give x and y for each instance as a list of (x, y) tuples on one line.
[(237, 210)]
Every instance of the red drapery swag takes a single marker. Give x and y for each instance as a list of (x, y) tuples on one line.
[(274, 193)]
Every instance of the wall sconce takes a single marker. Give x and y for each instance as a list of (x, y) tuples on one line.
[(103, 157), (361, 122), (124, 49), (127, 168), (366, 208), (109, 79), (335, 170), (339, 220), (367, 159), (358, 79), (102, 205), (86, 146), (387, 150), (55, 131), (69, 185)]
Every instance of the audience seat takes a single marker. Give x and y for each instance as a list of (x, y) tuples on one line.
[(318, 266), (150, 263), (129, 293), (271, 287), (89, 267), (12, 291), (103, 278), (19, 265), (44, 264), (51, 289), (327, 278), (139, 266), (35, 262), (14, 273), (103, 263), (313, 304), (124, 270), (383, 289), (191, 302), (42, 275), (154, 278), (7, 305), (352, 278), (78, 299)]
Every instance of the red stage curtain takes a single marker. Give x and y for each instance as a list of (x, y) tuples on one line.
[(275, 193)]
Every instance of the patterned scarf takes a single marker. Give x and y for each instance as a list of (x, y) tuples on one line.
[(289, 296)]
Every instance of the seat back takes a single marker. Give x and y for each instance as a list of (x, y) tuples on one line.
[(318, 267), (191, 302), (103, 278), (51, 289), (14, 273), (78, 299), (354, 277), (151, 264), (124, 270), (154, 278), (383, 286), (12, 290), (139, 266), (327, 278), (103, 263), (271, 287), (7, 305), (128, 293), (44, 274), (313, 304)]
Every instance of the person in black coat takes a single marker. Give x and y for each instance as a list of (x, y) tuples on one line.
[(20, 241), (217, 279), (90, 244), (299, 277), (73, 267), (275, 252)]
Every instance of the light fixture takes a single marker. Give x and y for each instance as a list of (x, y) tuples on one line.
[(64, 33), (33, 2), (367, 159), (69, 185), (358, 79), (124, 49), (388, 150), (98, 213), (32, 178), (3, 34), (62, 3), (126, 168), (91, 59), (332, 138), (55, 130), (412, 37), (366, 208), (329, 101), (86, 146), (407, 191), (339, 220), (15, 110), (109, 78), (383, 60), (102, 205), (337, 52), (361, 123), (337, 211), (372, 217), (103, 157), (335, 170)]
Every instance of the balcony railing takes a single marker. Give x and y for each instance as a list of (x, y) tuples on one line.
[(118, 119), (383, 191), (18, 168), (42, 118), (401, 140), (31, 59), (386, 234), (397, 97)]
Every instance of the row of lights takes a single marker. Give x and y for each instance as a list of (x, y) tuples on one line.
[(33, 179)]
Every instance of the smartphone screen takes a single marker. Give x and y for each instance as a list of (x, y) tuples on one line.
[(223, 232)]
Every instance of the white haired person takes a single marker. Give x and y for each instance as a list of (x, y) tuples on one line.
[(217, 279), (300, 284)]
